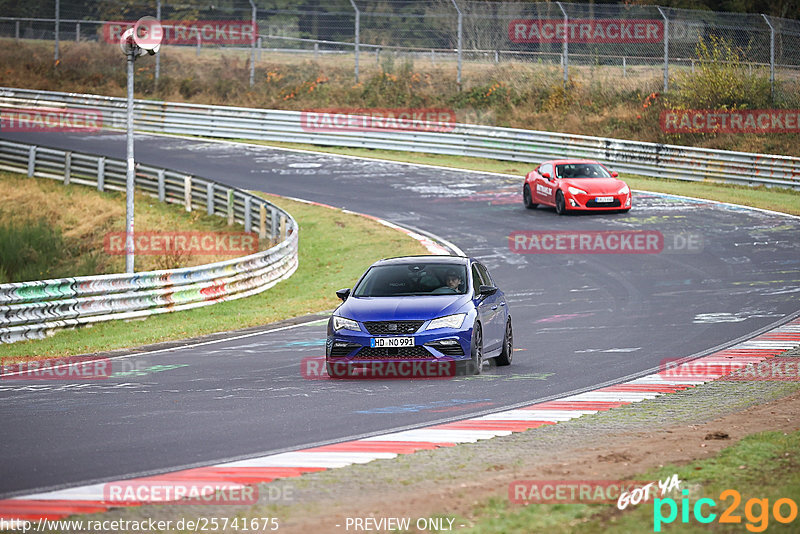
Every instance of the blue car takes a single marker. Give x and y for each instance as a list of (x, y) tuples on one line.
[(420, 316)]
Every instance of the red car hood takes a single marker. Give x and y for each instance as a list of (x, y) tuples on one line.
[(595, 186)]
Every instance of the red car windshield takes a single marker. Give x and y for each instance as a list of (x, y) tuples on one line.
[(581, 170)]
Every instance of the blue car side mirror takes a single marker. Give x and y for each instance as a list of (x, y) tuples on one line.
[(485, 291), (343, 294)]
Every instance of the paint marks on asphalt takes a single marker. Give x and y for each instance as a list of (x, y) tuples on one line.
[(434, 406)]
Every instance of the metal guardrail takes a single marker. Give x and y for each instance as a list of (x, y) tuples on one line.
[(33, 309), (648, 159)]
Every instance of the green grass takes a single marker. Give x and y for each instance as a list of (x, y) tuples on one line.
[(775, 198), (51, 231), (760, 466), (335, 248), (27, 250)]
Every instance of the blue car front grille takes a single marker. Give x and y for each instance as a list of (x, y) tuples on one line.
[(410, 353), (392, 328)]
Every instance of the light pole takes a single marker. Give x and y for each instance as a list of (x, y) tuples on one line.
[(158, 56), (58, 24), (253, 44), (144, 37), (357, 33), (460, 44)]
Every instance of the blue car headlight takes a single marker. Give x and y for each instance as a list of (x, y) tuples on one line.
[(343, 322), (448, 321)]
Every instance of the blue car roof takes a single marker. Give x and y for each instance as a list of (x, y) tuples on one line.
[(402, 260)]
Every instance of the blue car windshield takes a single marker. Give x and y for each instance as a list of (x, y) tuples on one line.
[(581, 170), (412, 280)]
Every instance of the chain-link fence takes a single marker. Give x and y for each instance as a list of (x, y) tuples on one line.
[(573, 41)]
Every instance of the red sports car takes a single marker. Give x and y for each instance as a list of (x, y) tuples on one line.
[(576, 184)]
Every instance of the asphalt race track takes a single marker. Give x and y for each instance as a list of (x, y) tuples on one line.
[(580, 320)]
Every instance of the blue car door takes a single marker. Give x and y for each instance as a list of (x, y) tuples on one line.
[(497, 306), (488, 308)]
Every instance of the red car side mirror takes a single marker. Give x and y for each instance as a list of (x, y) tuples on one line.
[(614, 174), (546, 175)]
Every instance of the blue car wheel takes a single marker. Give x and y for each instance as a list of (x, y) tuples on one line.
[(508, 347), (475, 365)]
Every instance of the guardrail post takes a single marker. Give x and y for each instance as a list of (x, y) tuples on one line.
[(187, 192), (16, 31), (77, 32), (273, 224), (162, 190), (262, 221), (31, 161), (248, 224), (198, 43), (210, 198), (624, 67), (230, 207), (101, 174), (67, 167)]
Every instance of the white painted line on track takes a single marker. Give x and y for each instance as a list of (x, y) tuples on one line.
[(436, 435), (527, 415), (93, 492), (192, 345), (311, 459)]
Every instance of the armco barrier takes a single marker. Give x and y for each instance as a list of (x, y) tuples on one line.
[(648, 159), (33, 309)]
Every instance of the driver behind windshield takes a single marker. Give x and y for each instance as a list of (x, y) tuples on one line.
[(452, 282)]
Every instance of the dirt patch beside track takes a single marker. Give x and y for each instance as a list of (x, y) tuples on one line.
[(563, 454)]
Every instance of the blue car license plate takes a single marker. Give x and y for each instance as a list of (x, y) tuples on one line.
[(391, 342)]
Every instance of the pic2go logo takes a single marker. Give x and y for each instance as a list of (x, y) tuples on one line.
[(758, 521)]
